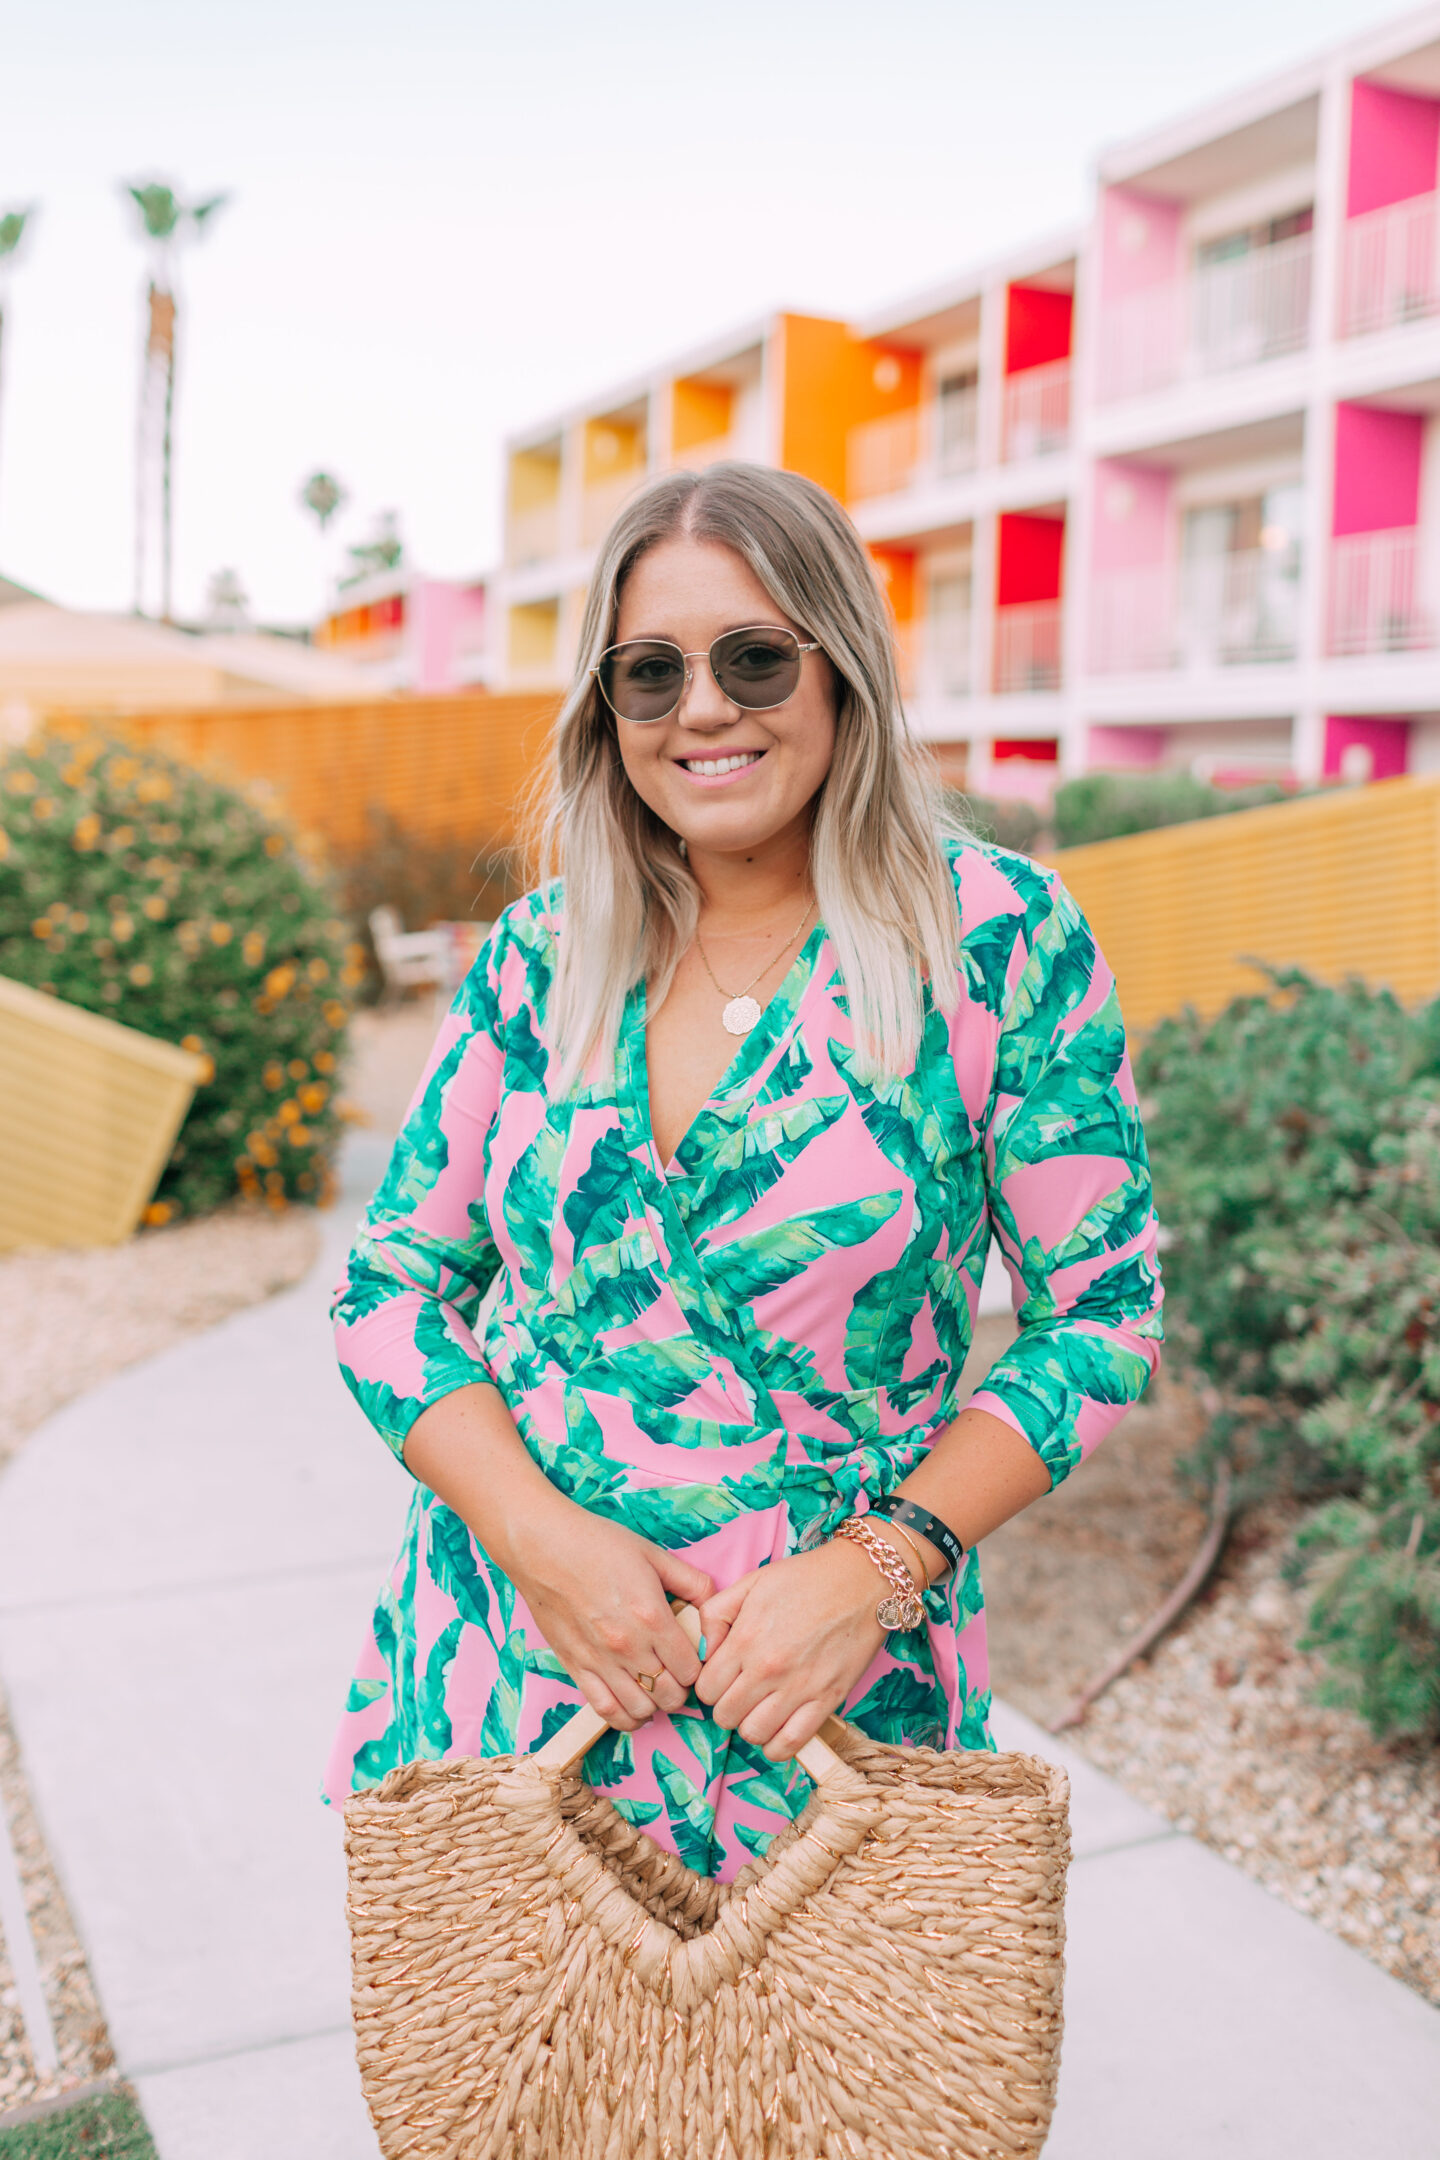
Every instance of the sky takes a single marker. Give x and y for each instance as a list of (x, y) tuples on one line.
[(449, 217)]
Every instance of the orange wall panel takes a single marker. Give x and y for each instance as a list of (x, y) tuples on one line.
[(830, 382), (442, 767)]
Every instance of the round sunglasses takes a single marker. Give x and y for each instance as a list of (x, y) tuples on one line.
[(757, 669)]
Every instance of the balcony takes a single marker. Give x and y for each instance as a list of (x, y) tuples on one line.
[(1229, 314), (1037, 411), (602, 502), (933, 442), (1376, 603), (534, 534), (1027, 648), (1388, 273), (1235, 610)]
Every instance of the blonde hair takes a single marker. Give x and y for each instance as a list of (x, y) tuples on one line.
[(884, 888)]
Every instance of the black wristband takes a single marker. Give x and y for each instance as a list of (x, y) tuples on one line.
[(922, 1522)]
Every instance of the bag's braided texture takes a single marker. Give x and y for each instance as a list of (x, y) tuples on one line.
[(536, 1980)]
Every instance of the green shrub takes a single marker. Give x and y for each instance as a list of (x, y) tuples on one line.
[(1005, 821), (140, 889), (1296, 1146), (1106, 806)]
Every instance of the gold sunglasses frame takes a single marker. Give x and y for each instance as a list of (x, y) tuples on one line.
[(770, 629)]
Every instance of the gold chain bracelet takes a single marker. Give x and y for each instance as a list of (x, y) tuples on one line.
[(903, 1607)]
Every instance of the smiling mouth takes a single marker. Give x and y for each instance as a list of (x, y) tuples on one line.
[(712, 768)]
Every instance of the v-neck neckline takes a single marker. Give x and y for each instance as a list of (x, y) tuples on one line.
[(751, 1050)]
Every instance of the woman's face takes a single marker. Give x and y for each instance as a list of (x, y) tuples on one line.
[(691, 592)]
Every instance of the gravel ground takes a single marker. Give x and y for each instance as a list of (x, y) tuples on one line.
[(1220, 1730)]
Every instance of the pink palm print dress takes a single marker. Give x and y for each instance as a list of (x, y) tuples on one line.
[(732, 1351)]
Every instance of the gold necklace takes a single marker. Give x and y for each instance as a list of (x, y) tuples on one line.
[(742, 1011)]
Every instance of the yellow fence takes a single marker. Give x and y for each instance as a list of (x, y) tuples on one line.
[(445, 768), (1342, 884)]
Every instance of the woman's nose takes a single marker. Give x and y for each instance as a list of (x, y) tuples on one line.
[(703, 703)]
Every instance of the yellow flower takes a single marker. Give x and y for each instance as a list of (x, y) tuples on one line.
[(306, 1181), (79, 924), (42, 926), (86, 833), (154, 905), (4, 843), (155, 787), (299, 1136), (252, 947), (334, 1013), (278, 981), (73, 774), (313, 1097), (123, 836), (221, 933), (289, 1113), (122, 927), (191, 1042), (318, 971), (42, 807), (21, 781), (274, 1074), (274, 844), (297, 1068), (158, 1212), (122, 771), (141, 974), (325, 1061)]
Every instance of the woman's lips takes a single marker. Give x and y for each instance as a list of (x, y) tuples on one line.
[(719, 771)]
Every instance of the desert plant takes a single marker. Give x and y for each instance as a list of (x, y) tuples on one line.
[(1296, 1145), (1106, 806), (141, 889)]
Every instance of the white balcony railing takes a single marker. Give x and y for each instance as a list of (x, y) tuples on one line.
[(940, 665), (534, 534), (1027, 647), (1240, 610), (1376, 602), (881, 455), (1389, 273), (1229, 314), (900, 451), (1037, 411)]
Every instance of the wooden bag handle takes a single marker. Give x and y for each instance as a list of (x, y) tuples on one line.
[(579, 1733)]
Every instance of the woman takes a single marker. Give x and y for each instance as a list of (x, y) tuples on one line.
[(723, 1122)]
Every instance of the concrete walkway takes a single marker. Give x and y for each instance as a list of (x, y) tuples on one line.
[(186, 1559)]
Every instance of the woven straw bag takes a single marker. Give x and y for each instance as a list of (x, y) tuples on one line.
[(537, 1980)]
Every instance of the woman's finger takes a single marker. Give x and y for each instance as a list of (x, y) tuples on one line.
[(605, 1703), (800, 1726), (760, 1725), (675, 1654), (680, 1577)]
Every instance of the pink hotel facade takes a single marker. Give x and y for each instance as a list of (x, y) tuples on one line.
[(1163, 491)]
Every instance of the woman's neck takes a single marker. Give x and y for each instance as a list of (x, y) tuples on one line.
[(744, 891)]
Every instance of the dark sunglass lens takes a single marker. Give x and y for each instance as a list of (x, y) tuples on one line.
[(757, 668), (643, 681)]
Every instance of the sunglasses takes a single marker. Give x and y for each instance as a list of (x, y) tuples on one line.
[(645, 678)]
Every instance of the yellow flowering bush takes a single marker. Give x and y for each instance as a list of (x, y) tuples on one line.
[(141, 889)]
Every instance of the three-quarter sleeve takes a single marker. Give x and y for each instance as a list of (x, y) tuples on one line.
[(1068, 1184), (424, 1255)]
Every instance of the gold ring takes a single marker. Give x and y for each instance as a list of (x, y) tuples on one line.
[(647, 1681)]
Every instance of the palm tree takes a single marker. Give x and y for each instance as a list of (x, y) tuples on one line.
[(165, 221), (12, 232), (322, 495)]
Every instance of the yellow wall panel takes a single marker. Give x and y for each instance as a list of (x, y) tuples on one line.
[(1340, 884)]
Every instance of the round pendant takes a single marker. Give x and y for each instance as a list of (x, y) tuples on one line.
[(740, 1015)]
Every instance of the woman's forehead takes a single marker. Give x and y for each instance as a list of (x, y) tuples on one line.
[(686, 587)]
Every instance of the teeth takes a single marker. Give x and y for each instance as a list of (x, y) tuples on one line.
[(711, 768)]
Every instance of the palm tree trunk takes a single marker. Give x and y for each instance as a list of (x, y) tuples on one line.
[(166, 554)]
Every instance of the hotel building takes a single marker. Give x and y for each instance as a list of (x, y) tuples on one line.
[(1162, 491)]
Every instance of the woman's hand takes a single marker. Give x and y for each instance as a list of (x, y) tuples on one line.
[(786, 1644), (600, 1596)]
